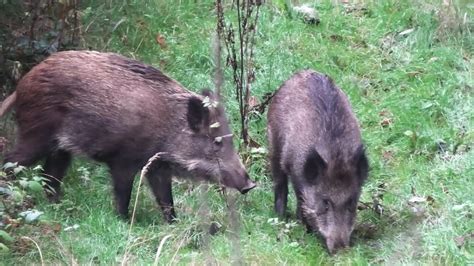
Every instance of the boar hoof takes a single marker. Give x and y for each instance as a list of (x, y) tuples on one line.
[(54, 197), (335, 247), (214, 228), (170, 216)]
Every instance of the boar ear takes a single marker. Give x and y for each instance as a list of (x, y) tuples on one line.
[(361, 163), (207, 92), (198, 115), (213, 96), (313, 165)]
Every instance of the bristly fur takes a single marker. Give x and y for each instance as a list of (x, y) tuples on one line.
[(121, 112), (314, 140), (145, 71)]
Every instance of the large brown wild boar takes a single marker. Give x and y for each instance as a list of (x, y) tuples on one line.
[(315, 141), (121, 112)]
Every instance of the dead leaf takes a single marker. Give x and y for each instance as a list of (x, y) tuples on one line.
[(12, 222), (430, 200), (417, 199), (459, 241), (124, 39), (253, 101), (141, 23), (22, 245), (364, 206), (48, 229), (387, 119), (253, 143), (462, 240), (386, 122), (418, 211), (405, 32), (335, 37), (385, 113), (260, 107), (162, 63), (160, 39), (414, 74), (366, 231), (387, 155)]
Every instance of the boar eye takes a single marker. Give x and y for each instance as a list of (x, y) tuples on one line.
[(218, 143), (326, 204), (324, 207)]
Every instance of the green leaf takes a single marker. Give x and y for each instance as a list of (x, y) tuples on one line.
[(23, 183), (5, 191), (427, 105), (10, 165), (406, 32), (38, 168), (409, 133), (5, 237), (18, 169), (294, 244), (3, 248), (35, 186), (17, 196), (38, 178), (260, 150), (30, 215)]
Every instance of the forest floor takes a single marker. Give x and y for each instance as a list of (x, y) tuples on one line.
[(409, 76)]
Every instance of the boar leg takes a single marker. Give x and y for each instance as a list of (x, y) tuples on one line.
[(299, 202), (160, 183), (299, 210), (54, 169), (122, 176), (280, 187)]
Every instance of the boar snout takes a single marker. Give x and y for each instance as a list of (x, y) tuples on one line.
[(241, 182), (238, 178), (249, 185), (334, 244)]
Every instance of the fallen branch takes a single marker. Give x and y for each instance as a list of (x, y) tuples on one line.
[(37, 247), (160, 247)]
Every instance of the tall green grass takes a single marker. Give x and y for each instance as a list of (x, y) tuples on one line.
[(412, 91)]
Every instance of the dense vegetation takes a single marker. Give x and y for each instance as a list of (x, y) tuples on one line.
[(407, 68)]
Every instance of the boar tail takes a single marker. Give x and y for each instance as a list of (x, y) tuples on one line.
[(7, 104)]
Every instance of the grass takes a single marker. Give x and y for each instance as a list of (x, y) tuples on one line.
[(412, 93)]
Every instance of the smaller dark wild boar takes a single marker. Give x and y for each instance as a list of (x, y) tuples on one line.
[(121, 112), (315, 141)]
